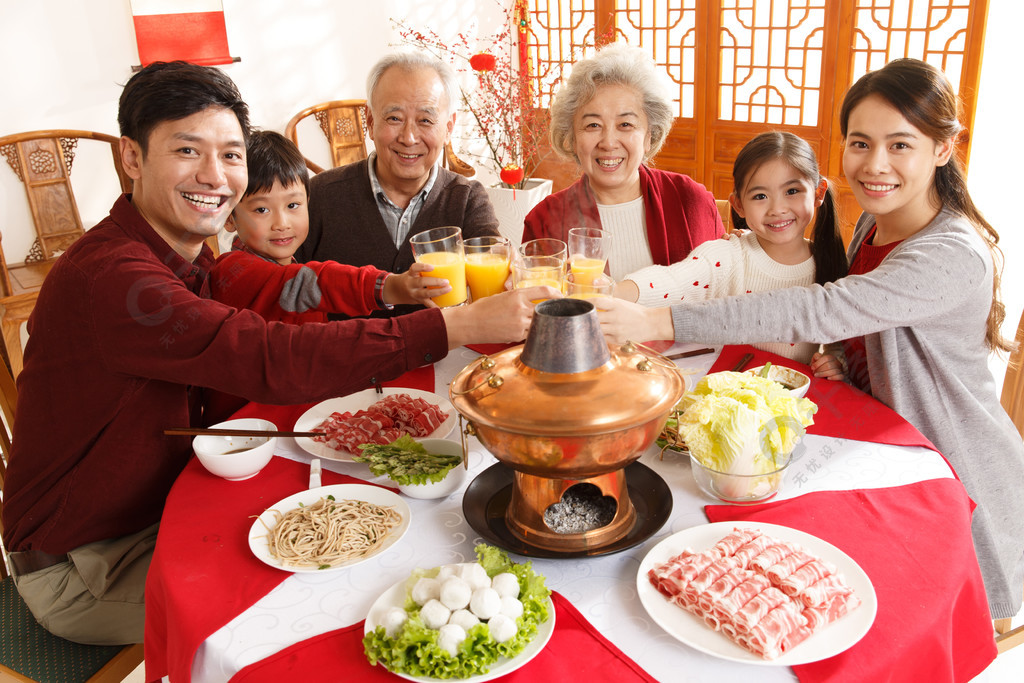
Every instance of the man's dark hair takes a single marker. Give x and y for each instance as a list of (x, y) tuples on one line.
[(271, 156), (169, 91)]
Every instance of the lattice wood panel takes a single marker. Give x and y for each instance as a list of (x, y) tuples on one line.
[(742, 66)]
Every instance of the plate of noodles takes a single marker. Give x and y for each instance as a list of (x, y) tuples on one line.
[(329, 528)]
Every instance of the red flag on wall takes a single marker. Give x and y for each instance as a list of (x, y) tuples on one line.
[(191, 30)]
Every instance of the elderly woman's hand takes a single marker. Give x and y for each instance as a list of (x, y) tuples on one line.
[(501, 318), (622, 321)]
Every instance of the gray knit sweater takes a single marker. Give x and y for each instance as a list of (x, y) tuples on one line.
[(923, 312)]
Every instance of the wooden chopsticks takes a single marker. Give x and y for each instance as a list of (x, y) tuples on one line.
[(743, 362), (690, 354), (200, 431)]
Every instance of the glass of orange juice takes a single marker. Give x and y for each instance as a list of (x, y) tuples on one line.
[(487, 265), (442, 248), (588, 252), (549, 248), (588, 286), (533, 271)]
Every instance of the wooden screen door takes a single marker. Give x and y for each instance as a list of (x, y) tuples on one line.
[(743, 66)]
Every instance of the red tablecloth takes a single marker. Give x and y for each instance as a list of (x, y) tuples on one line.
[(190, 592), (843, 411), (188, 600), (914, 542), (575, 652)]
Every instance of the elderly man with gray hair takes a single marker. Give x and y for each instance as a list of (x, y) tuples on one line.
[(364, 213)]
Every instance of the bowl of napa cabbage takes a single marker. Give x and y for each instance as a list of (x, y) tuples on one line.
[(740, 431)]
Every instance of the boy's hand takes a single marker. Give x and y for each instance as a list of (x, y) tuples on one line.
[(827, 366), (410, 288)]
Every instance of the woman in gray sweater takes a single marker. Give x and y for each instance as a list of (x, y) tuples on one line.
[(920, 308)]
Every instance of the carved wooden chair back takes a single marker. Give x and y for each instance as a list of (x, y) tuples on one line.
[(343, 124), (42, 160)]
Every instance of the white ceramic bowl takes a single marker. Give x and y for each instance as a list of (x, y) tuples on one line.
[(739, 488), (796, 382), (236, 457), (452, 481)]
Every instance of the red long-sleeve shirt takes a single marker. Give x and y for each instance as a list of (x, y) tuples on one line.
[(122, 335), (296, 293), (680, 214)]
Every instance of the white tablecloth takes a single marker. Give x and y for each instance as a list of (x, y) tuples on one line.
[(602, 588)]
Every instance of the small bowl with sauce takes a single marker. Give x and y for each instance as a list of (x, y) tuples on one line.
[(797, 382), (236, 457)]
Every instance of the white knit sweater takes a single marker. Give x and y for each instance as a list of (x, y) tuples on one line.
[(724, 268), (627, 224)]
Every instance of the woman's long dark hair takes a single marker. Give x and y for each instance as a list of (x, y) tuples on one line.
[(826, 240), (923, 95)]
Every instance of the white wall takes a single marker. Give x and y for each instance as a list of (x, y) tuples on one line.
[(64, 62)]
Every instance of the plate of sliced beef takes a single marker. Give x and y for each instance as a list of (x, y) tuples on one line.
[(369, 417), (756, 593)]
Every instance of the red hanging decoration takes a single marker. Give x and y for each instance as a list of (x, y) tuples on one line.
[(483, 61), (512, 174)]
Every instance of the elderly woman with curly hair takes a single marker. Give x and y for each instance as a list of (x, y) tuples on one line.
[(611, 118)]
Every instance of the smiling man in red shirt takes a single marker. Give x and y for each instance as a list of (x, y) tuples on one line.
[(124, 340)]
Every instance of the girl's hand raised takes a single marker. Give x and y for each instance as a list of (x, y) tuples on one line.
[(827, 366)]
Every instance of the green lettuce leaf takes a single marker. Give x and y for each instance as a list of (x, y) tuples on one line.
[(405, 461)]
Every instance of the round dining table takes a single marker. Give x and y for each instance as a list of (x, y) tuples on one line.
[(861, 479)]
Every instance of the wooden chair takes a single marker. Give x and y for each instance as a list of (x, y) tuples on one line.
[(1013, 402), (343, 123), (42, 161), (725, 211), (28, 652), (1013, 383)]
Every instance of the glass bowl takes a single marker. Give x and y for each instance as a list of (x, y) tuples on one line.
[(739, 488)]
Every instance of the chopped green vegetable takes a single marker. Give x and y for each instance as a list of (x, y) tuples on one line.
[(766, 370), (405, 461), (414, 650)]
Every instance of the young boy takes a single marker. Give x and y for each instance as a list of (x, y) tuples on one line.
[(272, 221)]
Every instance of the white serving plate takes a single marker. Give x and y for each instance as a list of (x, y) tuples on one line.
[(258, 533), (360, 401), (395, 597), (690, 630)]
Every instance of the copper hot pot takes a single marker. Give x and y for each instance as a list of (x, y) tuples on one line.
[(563, 409)]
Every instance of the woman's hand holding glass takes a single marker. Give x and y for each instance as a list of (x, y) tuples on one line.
[(623, 321)]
